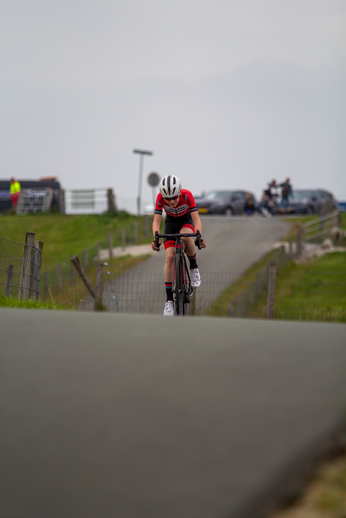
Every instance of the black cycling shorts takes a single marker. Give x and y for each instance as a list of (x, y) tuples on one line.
[(174, 226)]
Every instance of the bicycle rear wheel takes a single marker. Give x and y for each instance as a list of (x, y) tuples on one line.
[(178, 286)]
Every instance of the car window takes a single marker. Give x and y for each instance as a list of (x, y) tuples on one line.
[(301, 195), (239, 194), (212, 195), (321, 194)]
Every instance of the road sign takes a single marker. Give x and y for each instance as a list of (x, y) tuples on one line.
[(153, 179)]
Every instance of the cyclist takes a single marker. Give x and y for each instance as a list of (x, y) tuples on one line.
[(181, 217)]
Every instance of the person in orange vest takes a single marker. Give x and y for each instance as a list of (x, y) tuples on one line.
[(14, 192)]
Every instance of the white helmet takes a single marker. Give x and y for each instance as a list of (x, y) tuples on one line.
[(170, 186)]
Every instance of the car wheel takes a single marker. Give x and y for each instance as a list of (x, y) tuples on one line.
[(229, 211)]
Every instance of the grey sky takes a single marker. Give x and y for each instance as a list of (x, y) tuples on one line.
[(227, 94)]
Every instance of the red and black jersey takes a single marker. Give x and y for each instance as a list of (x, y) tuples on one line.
[(185, 205)]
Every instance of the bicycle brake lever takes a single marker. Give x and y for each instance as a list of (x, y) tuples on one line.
[(156, 240), (199, 240)]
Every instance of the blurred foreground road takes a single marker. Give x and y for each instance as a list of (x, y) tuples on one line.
[(140, 416)]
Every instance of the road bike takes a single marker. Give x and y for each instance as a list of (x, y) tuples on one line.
[(181, 282)]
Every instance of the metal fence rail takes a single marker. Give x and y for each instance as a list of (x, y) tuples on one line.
[(20, 266), (89, 201), (320, 228)]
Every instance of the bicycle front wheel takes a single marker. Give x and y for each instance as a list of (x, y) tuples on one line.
[(178, 286)]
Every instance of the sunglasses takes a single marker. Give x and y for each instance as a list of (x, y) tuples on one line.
[(172, 199)]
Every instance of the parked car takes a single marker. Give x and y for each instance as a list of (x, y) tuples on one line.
[(223, 202), (310, 201)]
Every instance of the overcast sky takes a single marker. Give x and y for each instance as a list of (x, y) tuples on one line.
[(226, 93)]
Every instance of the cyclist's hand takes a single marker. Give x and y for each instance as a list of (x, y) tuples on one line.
[(203, 245), (155, 247)]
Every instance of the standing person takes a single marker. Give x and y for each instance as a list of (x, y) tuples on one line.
[(15, 189), (286, 192), (182, 217), (270, 196), (249, 207)]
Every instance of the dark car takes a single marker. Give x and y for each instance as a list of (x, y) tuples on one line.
[(310, 201), (223, 202)]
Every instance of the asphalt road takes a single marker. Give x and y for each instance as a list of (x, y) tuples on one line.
[(233, 245), (139, 416)]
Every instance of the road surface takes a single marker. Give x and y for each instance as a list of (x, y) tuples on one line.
[(140, 416)]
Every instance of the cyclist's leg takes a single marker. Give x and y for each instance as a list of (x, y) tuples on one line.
[(168, 269), (190, 251), (170, 228), (168, 274), (189, 243)]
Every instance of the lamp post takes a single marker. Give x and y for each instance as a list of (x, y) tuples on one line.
[(141, 153)]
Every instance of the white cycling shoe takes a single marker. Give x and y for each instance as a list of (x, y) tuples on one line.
[(195, 278), (168, 311)]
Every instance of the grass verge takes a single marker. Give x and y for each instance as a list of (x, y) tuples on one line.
[(323, 496), (313, 291), (64, 235), (28, 304)]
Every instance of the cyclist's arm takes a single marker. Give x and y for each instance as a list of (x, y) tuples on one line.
[(157, 223), (156, 227), (197, 224)]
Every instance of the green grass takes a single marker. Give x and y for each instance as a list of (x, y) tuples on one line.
[(64, 236), (343, 220), (314, 291), (28, 304)]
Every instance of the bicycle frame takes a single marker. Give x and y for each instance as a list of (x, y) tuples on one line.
[(181, 283)]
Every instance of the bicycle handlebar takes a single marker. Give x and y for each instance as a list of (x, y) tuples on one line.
[(178, 236)]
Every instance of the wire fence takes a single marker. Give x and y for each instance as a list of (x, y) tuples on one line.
[(297, 295), (20, 266)]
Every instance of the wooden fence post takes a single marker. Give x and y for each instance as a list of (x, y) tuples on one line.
[(24, 286), (271, 291), (111, 205), (98, 306), (110, 245), (82, 273), (123, 238), (8, 281), (36, 270)]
